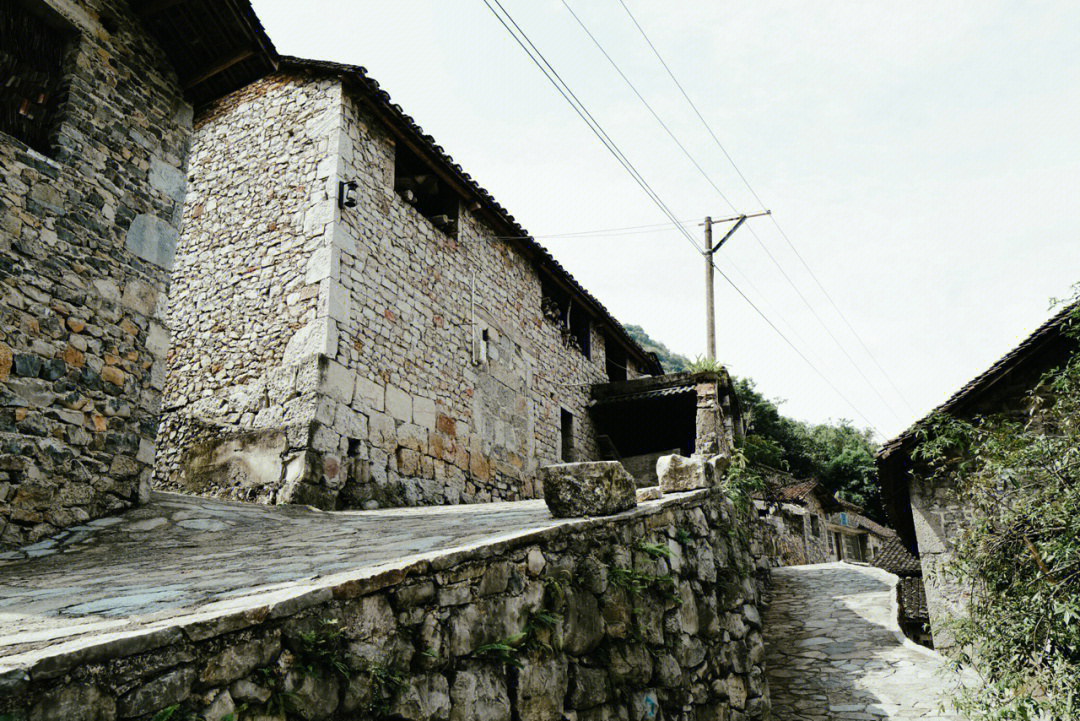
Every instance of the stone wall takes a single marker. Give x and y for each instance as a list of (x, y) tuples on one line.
[(940, 514), (651, 614), (387, 312), (239, 292), (86, 240)]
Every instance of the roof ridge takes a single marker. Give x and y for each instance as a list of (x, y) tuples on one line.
[(1000, 367)]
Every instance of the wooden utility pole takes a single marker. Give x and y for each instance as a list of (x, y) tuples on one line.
[(710, 321), (710, 250)]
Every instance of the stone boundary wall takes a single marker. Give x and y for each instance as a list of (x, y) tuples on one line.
[(653, 613), (86, 240)]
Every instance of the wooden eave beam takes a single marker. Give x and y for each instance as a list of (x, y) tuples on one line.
[(236, 57)]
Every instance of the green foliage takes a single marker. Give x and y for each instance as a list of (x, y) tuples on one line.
[(386, 684), (669, 361), (656, 550), (838, 455), (702, 364), (1020, 557), (323, 650), (637, 583), (504, 650), (682, 536), (176, 712)]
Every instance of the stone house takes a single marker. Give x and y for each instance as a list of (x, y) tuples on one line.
[(853, 536), (95, 120), (687, 414), (796, 508), (928, 515), (357, 323), (814, 527)]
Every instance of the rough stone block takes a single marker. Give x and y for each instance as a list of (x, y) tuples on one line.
[(339, 382), (140, 297), (168, 179), (153, 240), (679, 473), (399, 404), (324, 264), (318, 336), (370, 394), (600, 488), (424, 412)]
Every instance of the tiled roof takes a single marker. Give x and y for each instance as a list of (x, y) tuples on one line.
[(875, 527), (392, 113), (1046, 332), (797, 491), (913, 598), (895, 558), (645, 395)]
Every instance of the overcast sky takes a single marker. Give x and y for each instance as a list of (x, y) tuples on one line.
[(923, 157)]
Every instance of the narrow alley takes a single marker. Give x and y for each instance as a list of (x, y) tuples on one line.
[(833, 650)]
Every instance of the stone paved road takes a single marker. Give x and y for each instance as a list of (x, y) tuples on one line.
[(182, 556), (832, 652)]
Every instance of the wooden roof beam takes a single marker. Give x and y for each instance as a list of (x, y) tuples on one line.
[(236, 57)]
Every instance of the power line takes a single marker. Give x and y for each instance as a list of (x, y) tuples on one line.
[(610, 145), (719, 192), (758, 199), (585, 115)]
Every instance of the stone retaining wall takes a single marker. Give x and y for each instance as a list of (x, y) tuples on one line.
[(650, 614), (86, 238)]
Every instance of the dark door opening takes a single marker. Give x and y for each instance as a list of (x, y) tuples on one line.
[(566, 422)]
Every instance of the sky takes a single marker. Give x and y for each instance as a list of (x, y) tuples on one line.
[(923, 159)]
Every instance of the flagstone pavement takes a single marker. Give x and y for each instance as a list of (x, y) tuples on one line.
[(834, 653)]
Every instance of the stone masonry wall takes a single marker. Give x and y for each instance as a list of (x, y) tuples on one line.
[(940, 514), (583, 621), (239, 292), (334, 361), (86, 240)]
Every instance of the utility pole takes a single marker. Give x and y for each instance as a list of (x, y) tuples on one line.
[(710, 250), (710, 321)]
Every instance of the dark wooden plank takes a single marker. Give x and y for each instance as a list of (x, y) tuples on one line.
[(228, 62)]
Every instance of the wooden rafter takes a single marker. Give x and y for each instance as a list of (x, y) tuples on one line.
[(238, 56)]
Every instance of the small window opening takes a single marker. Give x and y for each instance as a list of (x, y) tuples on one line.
[(815, 526), (614, 360), (354, 447), (33, 42), (416, 183), (567, 431), (570, 318), (580, 329)]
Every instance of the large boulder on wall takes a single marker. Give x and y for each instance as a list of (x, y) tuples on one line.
[(600, 488)]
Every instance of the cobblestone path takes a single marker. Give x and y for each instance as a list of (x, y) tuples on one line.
[(832, 650)]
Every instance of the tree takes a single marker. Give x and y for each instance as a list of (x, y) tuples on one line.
[(671, 362)]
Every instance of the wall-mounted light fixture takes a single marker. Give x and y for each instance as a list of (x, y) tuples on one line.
[(347, 194)]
